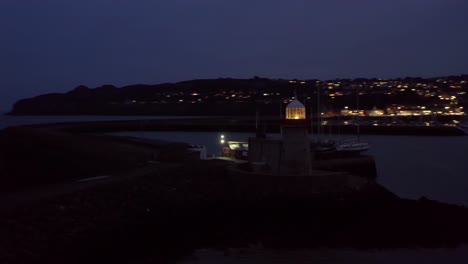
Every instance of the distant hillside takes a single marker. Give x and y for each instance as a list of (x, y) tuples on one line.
[(226, 96), (197, 97)]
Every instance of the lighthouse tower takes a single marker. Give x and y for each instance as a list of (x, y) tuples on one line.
[(288, 155), (296, 153)]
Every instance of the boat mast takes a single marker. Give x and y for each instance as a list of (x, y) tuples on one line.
[(281, 110), (256, 120), (357, 105), (311, 119), (281, 115), (319, 124)]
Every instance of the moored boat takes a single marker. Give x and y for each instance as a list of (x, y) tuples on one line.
[(352, 147)]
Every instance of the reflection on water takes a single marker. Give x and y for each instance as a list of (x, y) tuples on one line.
[(332, 256)]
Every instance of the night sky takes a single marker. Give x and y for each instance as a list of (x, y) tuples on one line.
[(56, 45)]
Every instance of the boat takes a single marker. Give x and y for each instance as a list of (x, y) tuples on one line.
[(347, 146), (238, 145), (326, 146), (352, 147), (236, 149)]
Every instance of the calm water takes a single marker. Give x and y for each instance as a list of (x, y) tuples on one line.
[(435, 167), (6, 121)]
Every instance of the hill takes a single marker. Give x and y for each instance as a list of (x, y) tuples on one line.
[(227, 96)]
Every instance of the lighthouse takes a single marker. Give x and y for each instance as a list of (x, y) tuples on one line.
[(296, 152), (288, 155)]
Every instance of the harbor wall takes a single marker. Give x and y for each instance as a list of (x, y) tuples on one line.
[(249, 183), (36, 155), (243, 124), (362, 165)]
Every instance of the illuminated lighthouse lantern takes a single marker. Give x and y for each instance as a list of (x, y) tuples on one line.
[(295, 110)]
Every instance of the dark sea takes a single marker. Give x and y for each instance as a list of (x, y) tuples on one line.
[(7, 120), (409, 166)]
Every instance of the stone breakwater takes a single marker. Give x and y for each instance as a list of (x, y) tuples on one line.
[(247, 124), (51, 153), (162, 211)]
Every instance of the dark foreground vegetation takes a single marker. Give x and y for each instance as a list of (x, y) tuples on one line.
[(163, 210), (166, 215)]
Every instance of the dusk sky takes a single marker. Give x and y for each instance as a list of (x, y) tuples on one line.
[(55, 45)]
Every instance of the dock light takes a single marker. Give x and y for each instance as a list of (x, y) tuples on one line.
[(222, 136), (221, 141)]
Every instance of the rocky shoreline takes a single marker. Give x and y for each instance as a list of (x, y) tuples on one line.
[(165, 210), (167, 214)]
